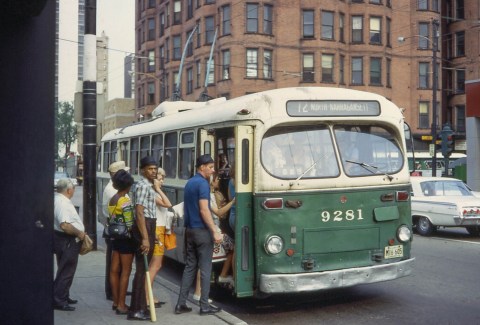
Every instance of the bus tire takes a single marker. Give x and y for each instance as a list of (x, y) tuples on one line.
[(473, 230), (423, 226)]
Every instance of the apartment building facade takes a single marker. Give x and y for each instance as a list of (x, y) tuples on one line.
[(260, 45)]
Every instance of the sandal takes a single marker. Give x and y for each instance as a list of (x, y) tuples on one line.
[(114, 307)]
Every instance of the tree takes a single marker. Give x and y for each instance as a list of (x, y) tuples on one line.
[(65, 127)]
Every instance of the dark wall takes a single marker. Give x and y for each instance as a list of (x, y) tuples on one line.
[(27, 72)]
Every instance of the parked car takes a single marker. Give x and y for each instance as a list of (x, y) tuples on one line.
[(443, 202), (59, 175)]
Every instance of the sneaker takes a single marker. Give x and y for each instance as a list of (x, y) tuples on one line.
[(228, 279), (197, 298)]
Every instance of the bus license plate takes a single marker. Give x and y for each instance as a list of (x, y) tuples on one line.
[(393, 251)]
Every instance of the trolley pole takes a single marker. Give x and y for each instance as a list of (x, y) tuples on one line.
[(90, 120)]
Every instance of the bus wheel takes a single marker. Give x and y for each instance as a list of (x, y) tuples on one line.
[(473, 230), (424, 227)]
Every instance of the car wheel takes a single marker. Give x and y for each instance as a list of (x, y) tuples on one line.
[(473, 230), (424, 227)]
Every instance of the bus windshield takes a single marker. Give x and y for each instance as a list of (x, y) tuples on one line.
[(309, 152)]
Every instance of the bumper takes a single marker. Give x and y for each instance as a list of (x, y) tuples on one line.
[(473, 221), (285, 283)]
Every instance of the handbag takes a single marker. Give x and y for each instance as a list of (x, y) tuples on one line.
[(116, 230), (87, 245)]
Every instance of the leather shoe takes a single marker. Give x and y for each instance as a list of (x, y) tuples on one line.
[(139, 315), (66, 307), (210, 310), (71, 301), (181, 309)]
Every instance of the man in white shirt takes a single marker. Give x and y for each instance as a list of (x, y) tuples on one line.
[(108, 193), (69, 232)]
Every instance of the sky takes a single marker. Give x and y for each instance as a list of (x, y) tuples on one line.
[(117, 19)]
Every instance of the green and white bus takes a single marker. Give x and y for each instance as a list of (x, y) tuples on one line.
[(322, 182)]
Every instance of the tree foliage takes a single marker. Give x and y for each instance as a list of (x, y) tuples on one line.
[(65, 127)]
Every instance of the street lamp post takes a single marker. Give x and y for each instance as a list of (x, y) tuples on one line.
[(434, 44)]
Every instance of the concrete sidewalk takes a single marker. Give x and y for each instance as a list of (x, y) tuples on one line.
[(92, 307)]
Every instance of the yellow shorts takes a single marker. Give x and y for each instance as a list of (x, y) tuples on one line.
[(159, 248)]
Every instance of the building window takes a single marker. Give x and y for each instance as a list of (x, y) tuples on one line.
[(167, 85), (327, 25), (161, 58), (252, 63), (151, 29), (268, 19), (460, 81), (376, 71), (460, 43), (190, 44), (198, 66), (341, 67), (459, 9), (177, 12), (208, 2), (151, 61), (436, 5), (189, 9), (226, 20), (357, 71), (226, 64), (177, 47), (167, 50), (167, 14), (388, 31), (209, 29), (151, 3), (199, 34), (162, 24), (357, 29), (308, 68), (423, 69), (151, 93), (252, 18), (341, 25), (375, 30), (308, 24), (389, 73), (423, 115), (460, 125), (211, 71), (327, 68), (423, 39), (267, 64), (422, 4), (189, 80)]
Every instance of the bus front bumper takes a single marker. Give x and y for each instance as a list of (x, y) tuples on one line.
[(301, 282)]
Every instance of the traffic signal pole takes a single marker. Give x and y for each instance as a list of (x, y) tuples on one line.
[(89, 120), (434, 96)]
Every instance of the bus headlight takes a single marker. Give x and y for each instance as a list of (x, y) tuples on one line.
[(273, 245), (404, 234)]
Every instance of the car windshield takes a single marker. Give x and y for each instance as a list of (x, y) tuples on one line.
[(60, 175), (309, 151), (445, 188)]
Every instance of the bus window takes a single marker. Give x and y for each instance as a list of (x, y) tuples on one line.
[(170, 165), (187, 152), (144, 146), (157, 148), (290, 153), (134, 151), (114, 151), (106, 154), (368, 151)]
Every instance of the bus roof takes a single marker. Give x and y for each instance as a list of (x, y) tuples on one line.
[(256, 106)]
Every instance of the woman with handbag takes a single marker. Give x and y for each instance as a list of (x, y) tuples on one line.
[(120, 222)]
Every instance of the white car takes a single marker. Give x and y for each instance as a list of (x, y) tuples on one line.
[(445, 202), (59, 175)]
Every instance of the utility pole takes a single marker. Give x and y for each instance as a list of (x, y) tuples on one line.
[(89, 119), (434, 96)]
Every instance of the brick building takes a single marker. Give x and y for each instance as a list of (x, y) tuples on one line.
[(269, 44)]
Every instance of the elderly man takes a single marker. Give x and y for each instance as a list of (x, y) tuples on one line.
[(108, 193), (69, 233), (201, 233), (144, 232)]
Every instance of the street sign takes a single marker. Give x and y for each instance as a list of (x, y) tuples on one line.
[(431, 149)]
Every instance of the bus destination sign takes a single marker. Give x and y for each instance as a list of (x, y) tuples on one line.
[(333, 108)]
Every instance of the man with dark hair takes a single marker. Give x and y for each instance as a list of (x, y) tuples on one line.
[(200, 233), (69, 233), (144, 232)]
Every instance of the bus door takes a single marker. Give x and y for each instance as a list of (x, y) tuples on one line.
[(206, 143), (244, 241)]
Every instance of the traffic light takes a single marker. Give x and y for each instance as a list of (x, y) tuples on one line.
[(447, 140)]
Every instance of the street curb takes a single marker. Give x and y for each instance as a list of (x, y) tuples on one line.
[(172, 287)]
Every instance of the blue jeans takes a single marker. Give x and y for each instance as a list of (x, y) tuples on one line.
[(199, 256)]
